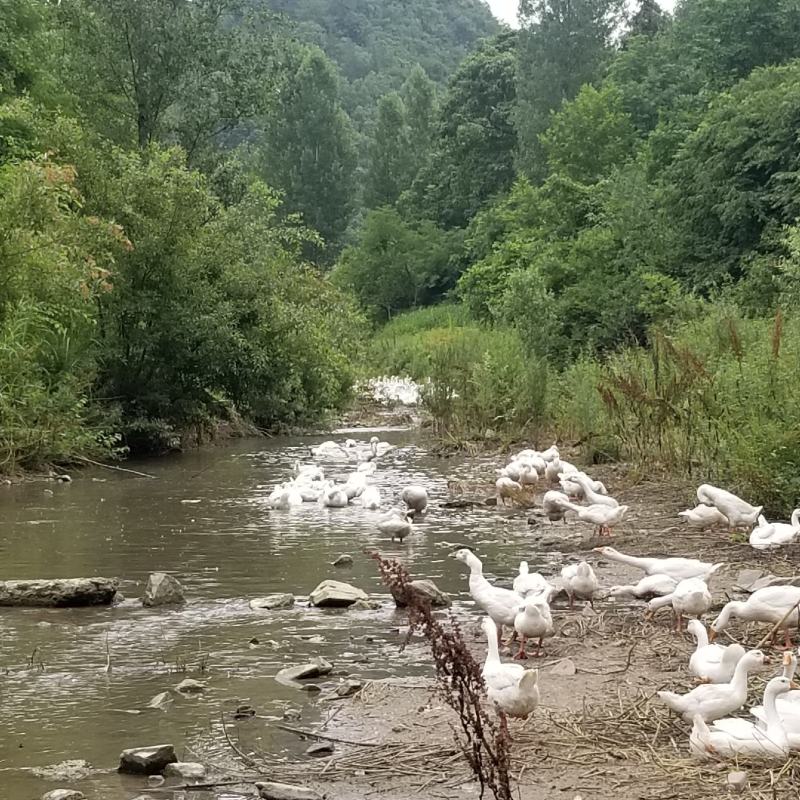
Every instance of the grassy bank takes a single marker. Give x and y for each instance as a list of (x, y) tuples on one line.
[(713, 398)]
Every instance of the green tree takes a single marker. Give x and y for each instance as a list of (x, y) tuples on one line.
[(563, 44), (166, 70), (734, 182), (648, 19), (590, 135), (21, 45), (308, 148), (391, 162), (395, 265), (473, 151), (420, 101)]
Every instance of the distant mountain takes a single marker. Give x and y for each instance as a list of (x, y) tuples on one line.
[(375, 43)]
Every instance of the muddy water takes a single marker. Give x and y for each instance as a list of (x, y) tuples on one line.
[(206, 520)]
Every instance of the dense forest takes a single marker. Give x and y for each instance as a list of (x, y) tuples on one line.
[(587, 226)]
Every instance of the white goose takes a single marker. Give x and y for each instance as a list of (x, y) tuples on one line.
[(500, 604), (736, 737), (649, 586), (770, 604), (774, 534), (592, 497), (533, 620), (703, 517), (371, 497), (531, 583), (507, 489), (739, 513), (715, 700), (398, 526), (603, 517), (579, 581), (512, 688), (674, 566), (712, 663), (415, 497), (690, 597), (555, 505)]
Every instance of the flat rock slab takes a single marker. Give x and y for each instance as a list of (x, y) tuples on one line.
[(286, 791), (59, 592), (335, 594), (147, 760), (75, 769), (564, 667), (747, 577), (64, 794), (272, 601), (289, 676), (185, 770)]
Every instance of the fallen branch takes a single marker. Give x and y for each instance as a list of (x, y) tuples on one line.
[(199, 786), (328, 737), (118, 469)]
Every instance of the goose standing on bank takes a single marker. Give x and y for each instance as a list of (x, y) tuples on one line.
[(703, 517), (739, 513), (579, 581), (555, 505), (528, 583), (772, 605), (674, 566), (690, 597), (511, 688), (533, 620), (603, 517), (500, 604)]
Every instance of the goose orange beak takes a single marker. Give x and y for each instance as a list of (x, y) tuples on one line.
[(712, 634), (793, 685)]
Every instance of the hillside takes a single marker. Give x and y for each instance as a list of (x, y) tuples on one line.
[(376, 42)]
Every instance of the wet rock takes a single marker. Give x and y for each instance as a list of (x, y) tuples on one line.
[(272, 601), (348, 688), (335, 594), (286, 791), (161, 702), (365, 605), (64, 478), (588, 611), (737, 781), (58, 593), (65, 772), (564, 667), (289, 676), (185, 770), (427, 590), (244, 711), (154, 781), (64, 794), (146, 760), (343, 561), (292, 714), (320, 749), (747, 577), (163, 590), (190, 686), (310, 687)]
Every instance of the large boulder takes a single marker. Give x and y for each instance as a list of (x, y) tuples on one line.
[(163, 590), (335, 594), (59, 592), (272, 601), (289, 676), (285, 791), (147, 760), (427, 590)]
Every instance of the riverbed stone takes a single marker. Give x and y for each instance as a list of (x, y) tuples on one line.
[(349, 687), (163, 590), (154, 781), (344, 560), (285, 791), (336, 594), (186, 770), (64, 794), (190, 686), (737, 781), (747, 577), (427, 590), (365, 605), (564, 667), (148, 760), (161, 702), (74, 769), (58, 593), (317, 668), (320, 749), (272, 601)]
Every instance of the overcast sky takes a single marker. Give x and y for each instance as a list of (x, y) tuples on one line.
[(507, 9)]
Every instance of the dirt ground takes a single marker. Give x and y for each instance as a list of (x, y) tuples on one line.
[(598, 734)]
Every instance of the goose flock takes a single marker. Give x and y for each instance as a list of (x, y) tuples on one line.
[(676, 582)]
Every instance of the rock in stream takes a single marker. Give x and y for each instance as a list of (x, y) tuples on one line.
[(59, 593)]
